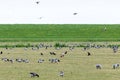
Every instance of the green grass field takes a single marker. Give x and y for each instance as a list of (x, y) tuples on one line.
[(57, 32), (76, 64)]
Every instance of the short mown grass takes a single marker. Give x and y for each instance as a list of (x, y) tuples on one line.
[(76, 64), (59, 32)]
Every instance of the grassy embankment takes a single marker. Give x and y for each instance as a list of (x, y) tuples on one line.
[(49, 33)]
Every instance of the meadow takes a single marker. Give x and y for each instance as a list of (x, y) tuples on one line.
[(75, 64), (58, 32)]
